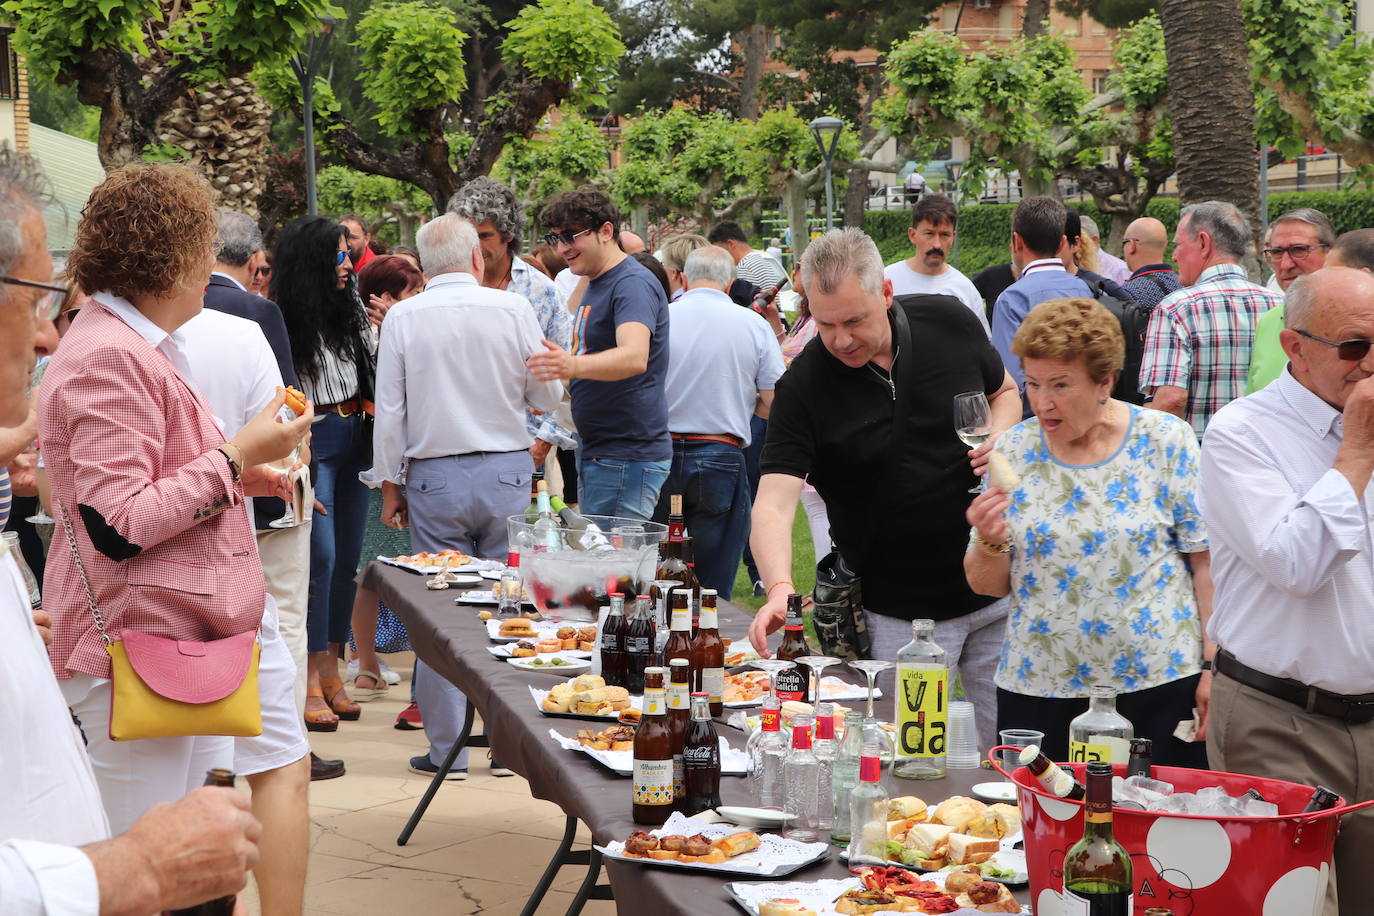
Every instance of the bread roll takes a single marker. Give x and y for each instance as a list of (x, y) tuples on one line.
[(903, 807), (562, 691), (1001, 474), (957, 811), (552, 703), (738, 843), (587, 681), (996, 822), (615, 694), (516, 626)]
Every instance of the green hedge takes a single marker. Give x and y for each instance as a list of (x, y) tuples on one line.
[(985, 229)]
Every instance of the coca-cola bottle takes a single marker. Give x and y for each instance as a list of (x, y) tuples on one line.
[(639, 645), (613, 643), (701, 759)]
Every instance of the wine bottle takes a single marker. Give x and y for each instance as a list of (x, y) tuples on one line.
[(591, 537), (1097, 869)]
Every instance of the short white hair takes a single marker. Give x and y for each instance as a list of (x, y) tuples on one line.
[(445, 244), (841, 253), (710, 264)]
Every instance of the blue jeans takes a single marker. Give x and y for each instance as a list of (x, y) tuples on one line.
[(619, 487), (713, 480), (341, 452), (758, 431)]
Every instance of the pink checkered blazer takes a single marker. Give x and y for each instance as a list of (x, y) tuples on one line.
[(130, 451)]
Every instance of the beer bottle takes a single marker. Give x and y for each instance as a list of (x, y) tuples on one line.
[(1097, 869), (708, 653), (639, 645), (677, 524), (679, 644), (679, 720), (690, 580), (1055, 780), (701, 759), (794, 683), (613, 643), (1139, 762), (220, 906), (652, 783), (1322, 799)]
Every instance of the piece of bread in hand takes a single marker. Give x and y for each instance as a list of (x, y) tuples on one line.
[(957, 811), (1001, 474), (970, 850), (738, 843)]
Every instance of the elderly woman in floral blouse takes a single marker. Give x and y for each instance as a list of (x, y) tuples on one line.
[(1101, 545)]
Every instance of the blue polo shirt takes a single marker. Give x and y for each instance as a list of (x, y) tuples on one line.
[(1040, 280)]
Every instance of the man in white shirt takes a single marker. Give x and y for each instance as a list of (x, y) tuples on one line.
[(754, 266), (452, 391), (56, 858), (1285, 487), (932, 233), (722, 364)]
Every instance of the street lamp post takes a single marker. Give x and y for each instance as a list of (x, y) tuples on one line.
[(826, 130), (307, 67)]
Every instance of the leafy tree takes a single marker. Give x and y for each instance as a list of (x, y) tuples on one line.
[(573, 153), (450, 89), (133, 58), (685, 163), (381, 201)]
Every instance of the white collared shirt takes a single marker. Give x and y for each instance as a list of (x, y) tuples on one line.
[(216, 273), (1292, 556), (170, 344), (451, 376), (52, 803), (1043, 264)]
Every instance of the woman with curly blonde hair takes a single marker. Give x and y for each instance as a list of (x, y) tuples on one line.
[(1099, 542), (142, 477)]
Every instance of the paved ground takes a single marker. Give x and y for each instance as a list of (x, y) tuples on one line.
[(480, 848)]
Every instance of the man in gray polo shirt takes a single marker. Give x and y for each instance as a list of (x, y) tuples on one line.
[(723, 361)]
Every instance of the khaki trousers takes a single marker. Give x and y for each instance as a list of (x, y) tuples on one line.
[(285, 554), (1251, 732)]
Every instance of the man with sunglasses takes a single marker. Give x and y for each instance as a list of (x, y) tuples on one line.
[(1197, 349), (1297, 244), (617, 362), (1284, 489)]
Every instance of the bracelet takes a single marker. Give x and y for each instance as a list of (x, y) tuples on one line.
[(235, 464), (769, 589), (572, 373), (1002, 548)]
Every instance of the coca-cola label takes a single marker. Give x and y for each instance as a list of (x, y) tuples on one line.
[(772, 720), (713, 683), (653, 782), (700, 755), (679, 788), (791, 684), (638, 645), (609, 641)]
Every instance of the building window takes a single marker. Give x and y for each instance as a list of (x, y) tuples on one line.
[(1099, 82), (9, 67)]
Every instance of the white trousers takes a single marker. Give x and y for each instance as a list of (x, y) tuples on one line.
[(285, 555)]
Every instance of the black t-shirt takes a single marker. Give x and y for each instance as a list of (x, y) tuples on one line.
[(991, 282), (833, 424)]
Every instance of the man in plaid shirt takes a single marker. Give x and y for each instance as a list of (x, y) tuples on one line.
[(1197, 350)]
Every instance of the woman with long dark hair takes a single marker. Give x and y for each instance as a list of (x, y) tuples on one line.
[(333, 349)]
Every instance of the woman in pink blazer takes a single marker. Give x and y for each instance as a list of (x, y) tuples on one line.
[(154, 493)]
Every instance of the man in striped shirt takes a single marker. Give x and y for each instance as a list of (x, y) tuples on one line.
[(1197, 350)]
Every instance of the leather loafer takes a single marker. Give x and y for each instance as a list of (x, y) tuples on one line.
[(325, 769)]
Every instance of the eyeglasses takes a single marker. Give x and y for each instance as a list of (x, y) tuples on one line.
[(566, 236), (266, 269), (1351, 351), (1124, 241), (47, 306), (340, 257), (1296, 252)]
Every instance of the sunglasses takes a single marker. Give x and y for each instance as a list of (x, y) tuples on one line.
[(1296, 252), (1351, 351), (565, 236), (340, 257), (266, 269), (47, 306)]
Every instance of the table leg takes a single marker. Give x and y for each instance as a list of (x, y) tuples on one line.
[(585, 892), (551, 870), (438, 779)]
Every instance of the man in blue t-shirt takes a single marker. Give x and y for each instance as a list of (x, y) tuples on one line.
[(616, 363)]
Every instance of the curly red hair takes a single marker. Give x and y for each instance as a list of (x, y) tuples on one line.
[(146, 230)]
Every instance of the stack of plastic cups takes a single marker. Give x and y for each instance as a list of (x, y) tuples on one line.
[(963, 737)]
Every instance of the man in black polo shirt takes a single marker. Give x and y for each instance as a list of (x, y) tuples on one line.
[(896, 499)]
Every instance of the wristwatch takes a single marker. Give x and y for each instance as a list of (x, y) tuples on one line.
[(1206, 664)]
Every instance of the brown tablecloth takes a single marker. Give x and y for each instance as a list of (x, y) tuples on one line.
[(453, 641)]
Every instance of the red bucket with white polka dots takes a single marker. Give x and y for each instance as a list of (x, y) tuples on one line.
[(1194, 865)]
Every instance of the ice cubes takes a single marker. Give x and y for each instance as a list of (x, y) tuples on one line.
[(1253, 807), (1157, 786)]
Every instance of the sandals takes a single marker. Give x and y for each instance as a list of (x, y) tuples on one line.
[(368, 694), (332, 688), (319, 720)]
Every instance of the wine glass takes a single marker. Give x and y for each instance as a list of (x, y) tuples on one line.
[(817, 664), (972, 420), (873, 732)]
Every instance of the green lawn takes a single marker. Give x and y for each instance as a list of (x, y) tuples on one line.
[(803, 567)]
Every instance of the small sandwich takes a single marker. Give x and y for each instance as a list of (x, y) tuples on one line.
[(589, 702), (926, 846), (587, 681), (640, 844), (904, 807), (988, 897), (523, 649), (958, 882), (970, 850), (784, 906), (616, 698), (698, 849), (996, 822), (518, 627), (548, 646), (958, 811), (567, 636), (862, 900), (1001, 474), (559, 699)]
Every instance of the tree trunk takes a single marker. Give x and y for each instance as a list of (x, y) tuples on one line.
[(856, 195), (1211, 104), (1036, 13), (795, 197), (224, 129), (753, 42)]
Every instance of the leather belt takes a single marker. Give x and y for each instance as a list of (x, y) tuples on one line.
[(723, 438), (1355, 710), (345, 408)]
